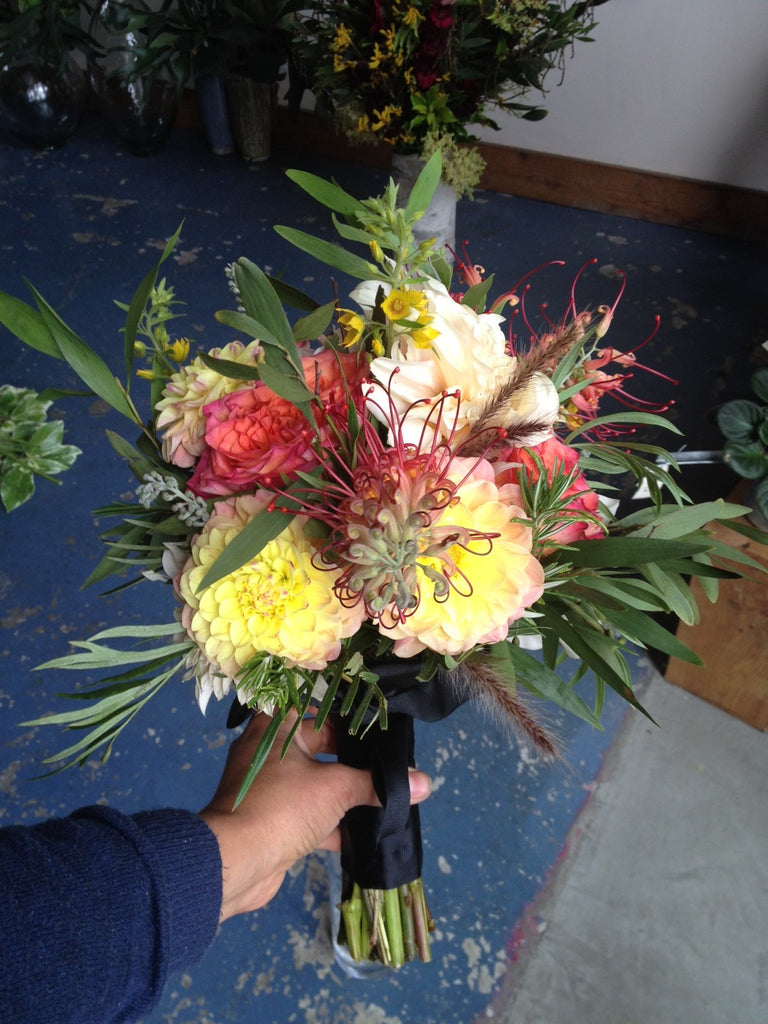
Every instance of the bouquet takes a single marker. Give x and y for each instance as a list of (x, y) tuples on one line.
[(371, 514), (415, 74)]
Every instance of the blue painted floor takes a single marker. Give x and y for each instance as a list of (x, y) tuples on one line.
[(84, 224)]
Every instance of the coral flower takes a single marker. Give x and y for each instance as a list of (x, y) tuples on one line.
[(181, 420), (278, 603), (579, 511), (254, 436)]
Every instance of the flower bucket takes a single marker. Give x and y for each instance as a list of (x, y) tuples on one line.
[(439, 220), (250, 114), (214, 113)]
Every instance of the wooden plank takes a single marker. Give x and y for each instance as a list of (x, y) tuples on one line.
[(731, 638)]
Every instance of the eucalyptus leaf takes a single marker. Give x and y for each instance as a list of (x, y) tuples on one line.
[(88, 366), (330, 254), (327, 193), (424, 187), (263, 528)]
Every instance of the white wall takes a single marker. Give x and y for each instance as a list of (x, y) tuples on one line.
[(674, 86)]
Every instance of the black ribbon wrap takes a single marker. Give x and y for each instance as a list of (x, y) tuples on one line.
[(381, 846)]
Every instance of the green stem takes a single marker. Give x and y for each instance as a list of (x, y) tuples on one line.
[(422, 920), (353, 913), (394, 927), (406, 916)]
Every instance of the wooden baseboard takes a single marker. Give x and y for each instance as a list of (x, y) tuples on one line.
[(564, 181)]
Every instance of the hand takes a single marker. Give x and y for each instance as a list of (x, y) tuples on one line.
[(294, 806)]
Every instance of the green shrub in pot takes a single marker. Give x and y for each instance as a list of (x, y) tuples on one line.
[(744, 424)]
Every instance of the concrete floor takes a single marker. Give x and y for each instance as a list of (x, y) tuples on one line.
[(658, 910), (627, 886)]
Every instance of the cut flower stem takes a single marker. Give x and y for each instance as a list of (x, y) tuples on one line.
[(390, 925)]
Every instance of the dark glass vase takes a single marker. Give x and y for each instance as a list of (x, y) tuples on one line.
[(42, 103), (141, 112)]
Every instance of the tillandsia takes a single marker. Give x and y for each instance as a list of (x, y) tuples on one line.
[(370, 513)]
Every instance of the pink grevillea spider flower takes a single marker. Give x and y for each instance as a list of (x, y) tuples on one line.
[(436, 552)]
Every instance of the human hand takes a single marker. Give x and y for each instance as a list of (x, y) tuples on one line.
[(293, 807)]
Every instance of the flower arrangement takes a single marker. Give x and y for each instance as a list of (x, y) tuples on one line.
[(416, 73), (368, 515)]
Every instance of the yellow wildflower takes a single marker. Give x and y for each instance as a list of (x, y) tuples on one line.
[(178, 350), (342, 39), (412, 17), (399, 303), (352, 327)]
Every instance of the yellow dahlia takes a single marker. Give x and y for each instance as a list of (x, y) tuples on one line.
[(181, 421), (278, 603)]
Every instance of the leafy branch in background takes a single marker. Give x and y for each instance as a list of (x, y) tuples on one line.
[(30, 445)]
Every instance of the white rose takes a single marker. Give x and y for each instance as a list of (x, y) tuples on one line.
[(468, 359)]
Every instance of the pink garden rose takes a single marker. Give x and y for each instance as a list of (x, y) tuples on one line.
[(578, 517), (254, 436)]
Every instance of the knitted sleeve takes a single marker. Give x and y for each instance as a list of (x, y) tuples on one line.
[(97, 909)]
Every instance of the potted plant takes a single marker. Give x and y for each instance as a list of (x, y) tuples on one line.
[(256, 39), (43, 87), (141, 72), (744, 424), (418, 75)]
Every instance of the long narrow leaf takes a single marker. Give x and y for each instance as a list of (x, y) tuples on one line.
[(89, 367)]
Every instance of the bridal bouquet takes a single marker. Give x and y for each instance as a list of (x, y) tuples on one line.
[(372, 513)]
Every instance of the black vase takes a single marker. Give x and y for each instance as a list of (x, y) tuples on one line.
[(141, 112), (43, 103)]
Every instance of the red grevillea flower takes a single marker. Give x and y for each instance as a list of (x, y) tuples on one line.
[(578, 512)]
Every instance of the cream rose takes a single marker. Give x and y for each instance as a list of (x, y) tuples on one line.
[(468, 361)]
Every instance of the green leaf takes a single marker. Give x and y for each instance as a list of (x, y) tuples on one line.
[(330, 254), (631, 593), (645, 418), (245, 324), (613, 552), (684, 521), (291, 296), (263, 528), (739, 420), (759, 381), (747, 458), (260, 755), (424, 187), (327, 193), (675, 591), (540, 680), (477, 295), (595, 650), (17, 485), (27, 325), (229, 368), (88, 366), (310, 327), (139, 301), (641, 628)]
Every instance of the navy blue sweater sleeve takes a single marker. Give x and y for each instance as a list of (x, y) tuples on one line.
[(96, 910)]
